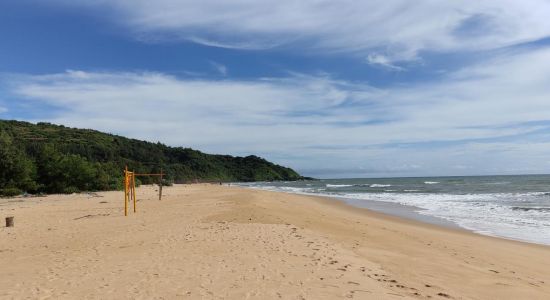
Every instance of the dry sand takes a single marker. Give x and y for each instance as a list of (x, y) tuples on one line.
[(214, 242)]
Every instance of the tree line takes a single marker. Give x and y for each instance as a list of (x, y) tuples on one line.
[(48, 158)]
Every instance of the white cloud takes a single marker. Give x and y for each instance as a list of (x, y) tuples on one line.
[(315, 121), (222, 69), (3, 110), (400, 28), (382, 60)]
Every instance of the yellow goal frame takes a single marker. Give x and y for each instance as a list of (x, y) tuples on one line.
[(130, 187)]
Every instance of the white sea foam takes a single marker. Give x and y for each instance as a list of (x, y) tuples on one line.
[(379, 185), (338, 185), (482, 213), (296, 189), (431, 182)]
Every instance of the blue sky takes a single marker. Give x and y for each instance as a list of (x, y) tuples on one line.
[(332, 89)]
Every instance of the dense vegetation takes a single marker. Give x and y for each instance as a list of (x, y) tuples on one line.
[(47, 158)]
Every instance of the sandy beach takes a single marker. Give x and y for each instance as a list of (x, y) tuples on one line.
[(218, 242)]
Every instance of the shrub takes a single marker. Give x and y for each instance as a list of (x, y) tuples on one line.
[(166, 182), (10, 192), (71, 190)]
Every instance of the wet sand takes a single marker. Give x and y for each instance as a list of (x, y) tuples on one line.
[(216, 242)]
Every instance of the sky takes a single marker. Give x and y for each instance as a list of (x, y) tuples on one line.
[(332, 89)]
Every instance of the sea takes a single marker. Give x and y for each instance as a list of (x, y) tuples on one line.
[(513, 207)]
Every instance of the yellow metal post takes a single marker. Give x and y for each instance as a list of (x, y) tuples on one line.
[(134, 189), (130, 192), (126, 191)]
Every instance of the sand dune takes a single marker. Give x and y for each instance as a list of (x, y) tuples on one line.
[(214, 242)]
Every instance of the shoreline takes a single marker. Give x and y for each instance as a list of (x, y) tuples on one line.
[(338, 201), (401, 211), (208, 242), (408, 212)]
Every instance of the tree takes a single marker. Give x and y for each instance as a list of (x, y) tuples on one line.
[(16, 169)]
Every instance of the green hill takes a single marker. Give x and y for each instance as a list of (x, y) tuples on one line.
[(56, 159)]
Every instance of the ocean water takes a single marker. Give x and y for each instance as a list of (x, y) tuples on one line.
[(514, 207)]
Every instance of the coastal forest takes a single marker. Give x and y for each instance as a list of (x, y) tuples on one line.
[(48, 158)]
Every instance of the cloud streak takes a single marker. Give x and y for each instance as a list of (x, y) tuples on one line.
[(382, 60), (400, 28)]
